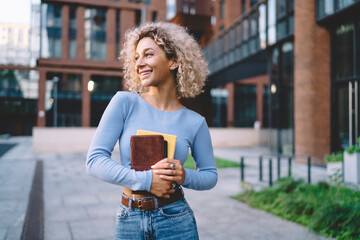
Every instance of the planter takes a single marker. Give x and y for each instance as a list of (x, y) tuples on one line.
[(334, 168), (352, 167)]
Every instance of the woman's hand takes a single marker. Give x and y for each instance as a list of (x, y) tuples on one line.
[(164, 170), (160, 187)]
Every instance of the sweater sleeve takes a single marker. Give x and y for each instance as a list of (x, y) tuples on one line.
[(205, 176), (99, 163)]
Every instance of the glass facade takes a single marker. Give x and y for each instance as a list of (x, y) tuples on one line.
[(259, 28), (51, 20), (105, 88), (325, 8), (282, 99), (345, 54), (245, 105), (18, 101), (219, 103), (72, 51), (95, 34), (63, 102)]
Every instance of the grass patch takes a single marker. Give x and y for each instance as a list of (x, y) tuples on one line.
[(220, 163), (333, 211)]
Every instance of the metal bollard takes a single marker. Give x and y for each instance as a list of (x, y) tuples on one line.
[(289, 165), (242, 169), (260, 169), (309, 169), (278, 167), (270, 172)]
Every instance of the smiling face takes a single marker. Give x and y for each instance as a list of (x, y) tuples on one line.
[(151, 64)]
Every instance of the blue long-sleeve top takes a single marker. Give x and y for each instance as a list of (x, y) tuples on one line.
[(126, 113)]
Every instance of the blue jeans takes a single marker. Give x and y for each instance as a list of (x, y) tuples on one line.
[(173, 221)]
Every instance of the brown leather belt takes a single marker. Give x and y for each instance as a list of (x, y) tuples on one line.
[(148, 203)]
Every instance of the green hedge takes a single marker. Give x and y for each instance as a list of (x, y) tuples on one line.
[(220, 163), (333, 211)]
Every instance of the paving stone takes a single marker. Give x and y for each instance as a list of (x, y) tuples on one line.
[(101, 211), (57, 231), (59, 214), (80, 200), (3, 232), (93, 229), (14, 233), (52, 202), (8, 205), (12, 219)]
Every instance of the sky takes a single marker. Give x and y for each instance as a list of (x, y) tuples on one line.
[(16, 11)]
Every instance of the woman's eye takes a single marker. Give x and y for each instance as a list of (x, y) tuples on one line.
[(149, 54)]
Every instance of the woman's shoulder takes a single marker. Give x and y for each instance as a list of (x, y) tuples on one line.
[(125, 96), (193, 116)]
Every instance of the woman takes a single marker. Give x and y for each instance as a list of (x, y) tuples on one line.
[(162, 64)]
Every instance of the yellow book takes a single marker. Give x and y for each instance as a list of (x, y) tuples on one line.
[(171, 141)]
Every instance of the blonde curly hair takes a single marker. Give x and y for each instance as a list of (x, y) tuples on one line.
[(192, 68)]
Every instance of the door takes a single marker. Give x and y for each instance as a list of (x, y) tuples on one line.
[(346, 124)]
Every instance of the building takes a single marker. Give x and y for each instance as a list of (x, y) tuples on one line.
[(14, 44), (18, 89), (78, 67), (291, 65)]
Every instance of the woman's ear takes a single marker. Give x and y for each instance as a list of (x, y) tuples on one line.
[(173, 64)]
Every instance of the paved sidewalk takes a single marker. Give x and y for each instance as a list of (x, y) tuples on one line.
[(80, 207)]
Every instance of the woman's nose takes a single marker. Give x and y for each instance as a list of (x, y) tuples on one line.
[(139, 62)]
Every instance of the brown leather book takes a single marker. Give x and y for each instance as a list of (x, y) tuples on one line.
[(146, 150)]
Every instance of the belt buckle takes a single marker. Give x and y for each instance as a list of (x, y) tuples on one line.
[(139, 205)]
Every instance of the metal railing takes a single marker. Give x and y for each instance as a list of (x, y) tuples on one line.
[(278, 158)]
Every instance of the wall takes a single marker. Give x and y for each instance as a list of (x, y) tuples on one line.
[(69, 139)]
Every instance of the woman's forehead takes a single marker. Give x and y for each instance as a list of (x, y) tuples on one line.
[(145, 44)]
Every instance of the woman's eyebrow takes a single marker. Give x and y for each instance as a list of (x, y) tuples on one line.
[(146, 49)]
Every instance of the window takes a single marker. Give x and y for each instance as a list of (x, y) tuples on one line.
[(245, 105), (51, 31), (104, 89), (154, 16), (222, 9), (253, 2), (95, 34), (343, 51), (243, 6), (72, 32)]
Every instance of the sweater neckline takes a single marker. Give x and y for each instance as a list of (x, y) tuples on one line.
[(148, 104)]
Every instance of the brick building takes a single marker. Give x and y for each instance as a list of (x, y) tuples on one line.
[(78, 67), (291, 65)]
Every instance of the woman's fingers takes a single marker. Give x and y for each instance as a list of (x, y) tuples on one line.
[(167, 163), (170, 169)]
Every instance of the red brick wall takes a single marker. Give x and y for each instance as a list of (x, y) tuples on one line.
[(311, 83)]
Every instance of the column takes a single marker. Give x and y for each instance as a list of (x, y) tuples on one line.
[(311, 84), (127, 21), (259, 102), (111, 35), (65, 31), (41, 112), (86, 101), (230, 104), (80, 38)]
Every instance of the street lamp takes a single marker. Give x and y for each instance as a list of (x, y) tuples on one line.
[(55, 80)]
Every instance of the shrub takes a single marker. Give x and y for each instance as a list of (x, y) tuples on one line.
[(333, 211)]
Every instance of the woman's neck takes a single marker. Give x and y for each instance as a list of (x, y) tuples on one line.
[(162, 98)]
